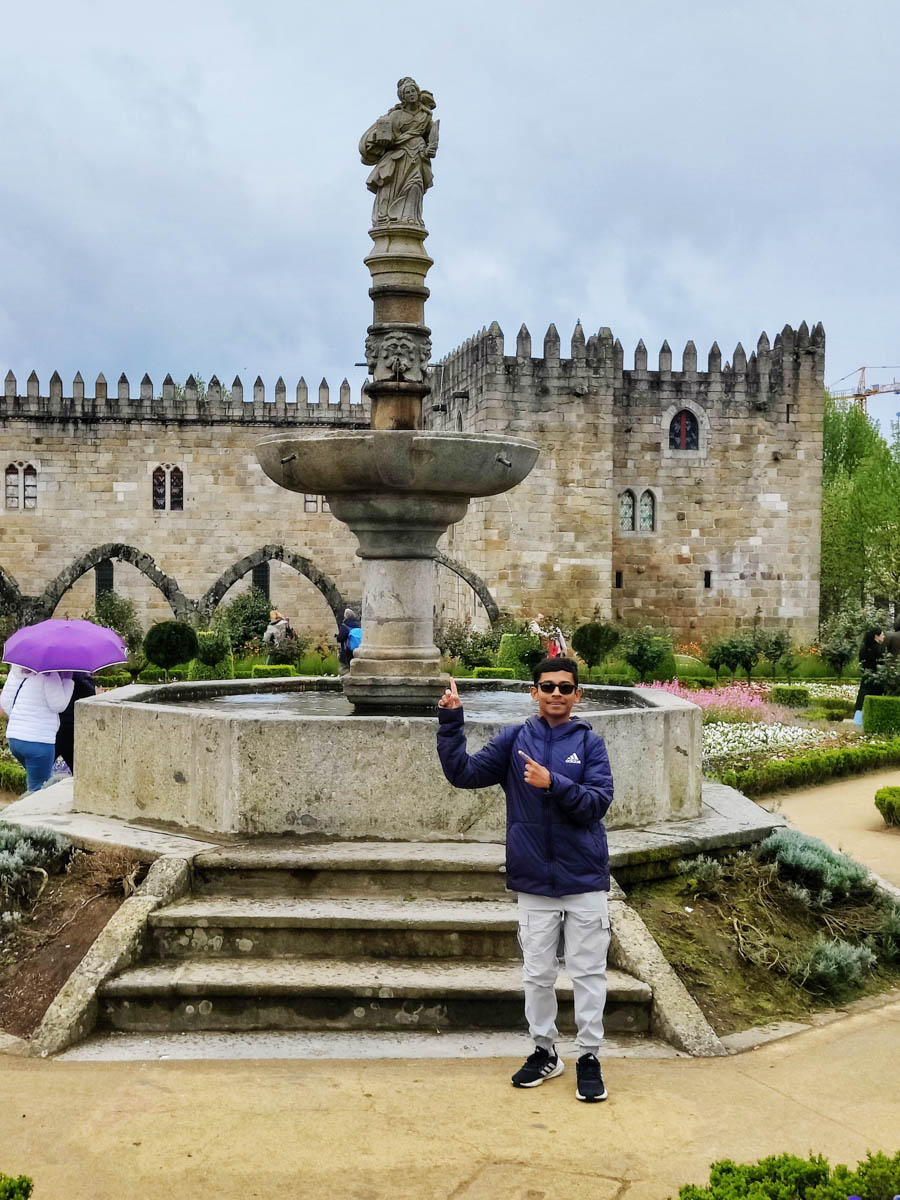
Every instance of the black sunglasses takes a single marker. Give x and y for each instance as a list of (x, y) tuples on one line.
[(565, 689)]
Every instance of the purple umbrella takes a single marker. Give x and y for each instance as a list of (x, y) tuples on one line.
[(65, 646)]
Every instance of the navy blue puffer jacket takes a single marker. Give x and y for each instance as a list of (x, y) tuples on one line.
[(555, 840)]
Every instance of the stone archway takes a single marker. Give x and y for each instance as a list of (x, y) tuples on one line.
[(11, 599), (208, 603), (475, 582), (181, 606)]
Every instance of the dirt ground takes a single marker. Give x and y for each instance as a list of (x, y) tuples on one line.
[(41, 951)]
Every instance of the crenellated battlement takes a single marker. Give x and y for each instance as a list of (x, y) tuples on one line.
[(192, 404), (598, 362)]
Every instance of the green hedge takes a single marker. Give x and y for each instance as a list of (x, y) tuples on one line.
[(19, 1188), (688, 667), (815, 767), (493, 673), (790, 697), (887, 801), (610, 680), (512, 651), (12, 777), (113, 679), (786, 1177), (881, 714), (261, 671)]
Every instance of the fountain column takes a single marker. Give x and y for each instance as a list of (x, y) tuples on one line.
[(397, 486)]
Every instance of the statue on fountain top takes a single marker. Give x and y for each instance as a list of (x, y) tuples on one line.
[(399, 147)]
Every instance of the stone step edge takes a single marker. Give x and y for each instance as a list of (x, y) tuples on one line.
[(317, 977), (360, 856), (238, 914)]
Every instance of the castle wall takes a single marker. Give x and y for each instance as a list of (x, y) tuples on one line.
[(735, 535), (94, 485)]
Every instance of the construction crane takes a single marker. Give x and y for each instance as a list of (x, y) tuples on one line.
[(861, 393)]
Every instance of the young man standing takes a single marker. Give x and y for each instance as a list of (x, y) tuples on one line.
[(555, 772)]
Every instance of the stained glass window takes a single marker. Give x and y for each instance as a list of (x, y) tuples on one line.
[(684, 432), (648, 512), (176, 489), (159, 489), (626, 511), (310, 503)]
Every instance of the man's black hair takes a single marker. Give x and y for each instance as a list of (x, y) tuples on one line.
[(546, 665)]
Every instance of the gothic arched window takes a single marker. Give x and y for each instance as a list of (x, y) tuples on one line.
[(626, 511), (20, 490), (176, 489), (684, 431), (159, 489), (647, 516), (12, 486)]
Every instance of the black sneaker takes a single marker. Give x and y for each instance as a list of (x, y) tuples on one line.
[(543, 1064), (589, 1086)]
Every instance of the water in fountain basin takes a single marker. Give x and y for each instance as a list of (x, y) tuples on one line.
[(495, 706)]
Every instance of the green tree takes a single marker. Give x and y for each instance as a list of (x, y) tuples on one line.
[(118, 613), (645, 650), (245, 617)]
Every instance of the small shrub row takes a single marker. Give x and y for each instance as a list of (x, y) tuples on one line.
[(790, 697), (887, 801), (815, 767), (786, 1177), (493, 673), (272, 671)]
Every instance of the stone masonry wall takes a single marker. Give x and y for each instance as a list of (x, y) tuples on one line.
[(95, 459), (736, 528)]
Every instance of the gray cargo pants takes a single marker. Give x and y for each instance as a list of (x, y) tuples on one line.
[(583, 921)]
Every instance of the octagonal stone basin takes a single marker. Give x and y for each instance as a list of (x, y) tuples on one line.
[(393, 460), (192, 756)]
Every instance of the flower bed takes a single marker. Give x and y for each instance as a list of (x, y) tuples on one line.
[(723, 740)]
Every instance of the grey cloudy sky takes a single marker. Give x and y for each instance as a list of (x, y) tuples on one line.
[(181, 191)]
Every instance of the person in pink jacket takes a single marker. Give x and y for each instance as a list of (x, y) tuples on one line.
[(33, 703)]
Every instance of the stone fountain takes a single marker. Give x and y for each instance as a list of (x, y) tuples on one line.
[(240, 757), (397, 486)]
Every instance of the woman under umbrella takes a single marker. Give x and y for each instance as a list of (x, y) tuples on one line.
[(33, 703), (40, 685)]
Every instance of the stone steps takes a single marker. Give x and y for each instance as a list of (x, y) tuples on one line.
[(336, 994), (450, 869), (341, 940), (269, 926)]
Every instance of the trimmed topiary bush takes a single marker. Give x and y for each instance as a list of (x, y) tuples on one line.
[(790, 697), (493, 673), (887, 801), (593, 641), (215, 659), (262, 671), (170, 643), (881, 714), (611, 680)]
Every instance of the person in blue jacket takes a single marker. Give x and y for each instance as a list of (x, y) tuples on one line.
[(555, 772)]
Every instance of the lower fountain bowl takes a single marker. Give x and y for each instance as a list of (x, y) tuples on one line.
[(243, 757)]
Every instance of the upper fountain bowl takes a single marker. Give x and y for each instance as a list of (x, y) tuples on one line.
[(391, 460)]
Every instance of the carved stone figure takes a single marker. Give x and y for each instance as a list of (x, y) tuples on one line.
[(400, 147), (398, 354)]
